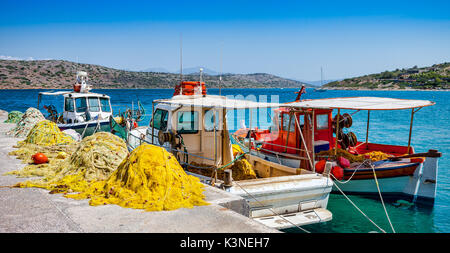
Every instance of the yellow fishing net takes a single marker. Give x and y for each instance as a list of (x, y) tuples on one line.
[(47, 133), (241, 170), (236, 149), (45, 137), (150, 178), (340, 152), (95, 158), (377, 156)]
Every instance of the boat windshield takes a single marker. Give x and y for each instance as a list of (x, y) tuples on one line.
[(68, 106), (94, 105), (81, 104), (105, 105)]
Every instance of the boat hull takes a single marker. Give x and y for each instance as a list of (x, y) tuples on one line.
[(392, 179), (91, 127)]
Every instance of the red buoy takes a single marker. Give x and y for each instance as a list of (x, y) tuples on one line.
[(39, 158), (338, 172), (320, 166)]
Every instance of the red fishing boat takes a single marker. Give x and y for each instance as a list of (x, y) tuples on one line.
[(305, 134)]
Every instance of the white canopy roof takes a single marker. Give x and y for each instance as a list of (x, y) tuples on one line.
[(73, 94), (216, 101), (361, 103)]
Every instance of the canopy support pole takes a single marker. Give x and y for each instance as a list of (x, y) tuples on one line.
[(250, 130), (289, 130), (153, 120), (337, 131), (367, 131), (410, 130), (313, 137)]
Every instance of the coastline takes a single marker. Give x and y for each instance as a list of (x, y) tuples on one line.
[(159, 88), (365, 89)]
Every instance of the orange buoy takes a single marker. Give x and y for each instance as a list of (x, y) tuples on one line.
[(39, 158)]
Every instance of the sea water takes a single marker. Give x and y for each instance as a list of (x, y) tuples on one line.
[(431, 130)]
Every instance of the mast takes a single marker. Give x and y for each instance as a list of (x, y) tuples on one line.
[(220, 71), (181, 58), (321, 77)]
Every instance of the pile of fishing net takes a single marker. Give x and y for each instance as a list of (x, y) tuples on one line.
[(94, 158), (241, 170), (14, 117), (46, 133), (29, 119), (149, 178), (374, 155), (45, 137), (342, 153), (377, 156)]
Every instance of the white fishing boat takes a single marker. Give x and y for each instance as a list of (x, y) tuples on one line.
[(193, 126), (83, 111)]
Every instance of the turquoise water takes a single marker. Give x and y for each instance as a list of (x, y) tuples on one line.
[(431, 130)]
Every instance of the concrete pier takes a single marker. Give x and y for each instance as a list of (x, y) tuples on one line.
[(35, 210)]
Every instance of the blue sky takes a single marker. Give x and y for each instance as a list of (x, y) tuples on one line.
[(292, 39)]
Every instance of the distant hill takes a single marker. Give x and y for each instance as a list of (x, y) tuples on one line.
[(17, 74), (427, 78)]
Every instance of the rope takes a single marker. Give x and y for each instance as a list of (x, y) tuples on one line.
[(357, 208), (381, 197), (273, 211)]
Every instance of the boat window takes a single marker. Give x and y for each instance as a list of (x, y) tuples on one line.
[(68, 105), (322, 121), (209, 120), (286, 123), (81, 104), (104, 102), (160, 118), (187, 122), (94, 105)]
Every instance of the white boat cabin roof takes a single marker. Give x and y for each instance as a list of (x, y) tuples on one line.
[(215, 101), (352, 103), (361, 103), (73, 94)]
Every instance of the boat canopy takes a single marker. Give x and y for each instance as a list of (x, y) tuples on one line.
[(56, 93), (216, 102), (361, 103)]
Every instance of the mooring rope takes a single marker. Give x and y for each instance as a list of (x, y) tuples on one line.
[(273, 211), (381, 197), (357, 208)]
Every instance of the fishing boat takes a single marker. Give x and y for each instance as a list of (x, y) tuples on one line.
[(193, 126), (83, 111), (399, 173)]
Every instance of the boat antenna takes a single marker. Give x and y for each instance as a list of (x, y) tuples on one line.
[(220, 71), (181, 58), (321, 77)]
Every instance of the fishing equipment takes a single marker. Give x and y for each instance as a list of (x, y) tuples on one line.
[(14, 117), (150, 178), (47, 133), (320, 166), (95, 158), (342, 161), (39, 158), (74, 134), (377, 156), (342, 153), (29, 119), (337, 172)]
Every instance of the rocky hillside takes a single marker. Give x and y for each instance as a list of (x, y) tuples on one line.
[(436, 77), (61, 74)]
